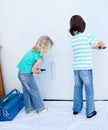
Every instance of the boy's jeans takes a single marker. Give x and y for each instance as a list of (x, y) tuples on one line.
[(83, 78), (32, 98)]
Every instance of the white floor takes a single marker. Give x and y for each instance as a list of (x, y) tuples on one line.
[(60, 118)]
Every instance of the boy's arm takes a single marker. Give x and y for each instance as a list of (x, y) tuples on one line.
[(99, 45)]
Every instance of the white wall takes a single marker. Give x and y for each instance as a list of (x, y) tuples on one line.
[(22, 22)]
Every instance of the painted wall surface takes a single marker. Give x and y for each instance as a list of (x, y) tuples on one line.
[(22, 22)]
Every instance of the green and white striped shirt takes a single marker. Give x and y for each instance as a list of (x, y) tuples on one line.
[(82, 51)]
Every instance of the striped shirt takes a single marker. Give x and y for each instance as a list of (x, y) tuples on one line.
[(82, 51)]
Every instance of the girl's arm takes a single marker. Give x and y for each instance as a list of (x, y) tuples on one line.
[(99, 45), (35, 68)]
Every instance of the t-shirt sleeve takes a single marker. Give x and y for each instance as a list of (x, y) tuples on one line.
[(92, 40), (39, 56)]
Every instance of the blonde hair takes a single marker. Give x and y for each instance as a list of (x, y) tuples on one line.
[(43, 44)]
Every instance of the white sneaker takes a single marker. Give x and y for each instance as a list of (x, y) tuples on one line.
[(31, 112), (45, 110)]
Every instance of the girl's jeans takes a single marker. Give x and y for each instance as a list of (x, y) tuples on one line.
[(83, 78), (32, 98)]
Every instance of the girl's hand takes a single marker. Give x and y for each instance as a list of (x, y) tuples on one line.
[(38, 71), (35, 68)]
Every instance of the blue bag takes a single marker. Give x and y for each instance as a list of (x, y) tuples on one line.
[(10, 105)]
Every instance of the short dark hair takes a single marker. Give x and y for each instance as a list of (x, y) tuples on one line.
[(77, 24)]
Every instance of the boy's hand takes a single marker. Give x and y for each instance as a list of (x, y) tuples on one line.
[(102, 47)]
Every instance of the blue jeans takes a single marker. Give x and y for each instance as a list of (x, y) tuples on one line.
[(83, 78), (32, 98)]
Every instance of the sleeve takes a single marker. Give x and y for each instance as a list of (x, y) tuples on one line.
[(92, 40), (39, 57)]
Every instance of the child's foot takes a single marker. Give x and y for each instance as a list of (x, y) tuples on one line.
[(45, 110), (75, 113), (31, 112), (92, 114)]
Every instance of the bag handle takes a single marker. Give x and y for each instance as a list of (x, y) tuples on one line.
[(10, 95)]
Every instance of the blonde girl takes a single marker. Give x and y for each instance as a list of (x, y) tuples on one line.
[(28, 65)]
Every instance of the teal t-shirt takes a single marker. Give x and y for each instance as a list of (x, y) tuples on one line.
[(27, 62)]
